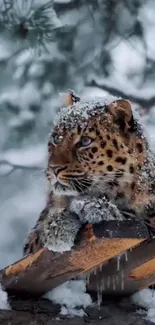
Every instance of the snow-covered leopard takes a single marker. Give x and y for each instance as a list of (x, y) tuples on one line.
[(100, 167)]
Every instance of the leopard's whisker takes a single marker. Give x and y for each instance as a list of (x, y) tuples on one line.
[(73, 185), (88, 183), (79, 184), (85, 183)]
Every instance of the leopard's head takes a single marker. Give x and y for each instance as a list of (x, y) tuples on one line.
[(94, 144)]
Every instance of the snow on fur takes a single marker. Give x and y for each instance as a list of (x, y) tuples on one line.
[(82, 110), (79, 113), (94, 209), (72, 297)]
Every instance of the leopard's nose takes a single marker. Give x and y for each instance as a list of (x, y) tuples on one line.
[(58, 169)]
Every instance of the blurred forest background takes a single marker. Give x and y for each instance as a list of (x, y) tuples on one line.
[(95, 47)]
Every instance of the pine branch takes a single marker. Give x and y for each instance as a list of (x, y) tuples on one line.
[(27, 24)]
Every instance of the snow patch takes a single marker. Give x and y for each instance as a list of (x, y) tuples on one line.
[(60, 247), (72, 297), (146, 299), (4, 300)]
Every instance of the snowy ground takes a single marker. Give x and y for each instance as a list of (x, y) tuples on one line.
[(72, 297)]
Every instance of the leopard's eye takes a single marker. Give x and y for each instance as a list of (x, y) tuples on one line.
[(85, 141), (57, 139)]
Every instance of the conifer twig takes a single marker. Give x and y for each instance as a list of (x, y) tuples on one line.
[(27, 24)]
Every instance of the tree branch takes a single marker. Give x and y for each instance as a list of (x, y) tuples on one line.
[(13, 167), (144, 102), (96, 244)]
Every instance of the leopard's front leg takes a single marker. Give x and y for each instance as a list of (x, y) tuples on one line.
[(93, 209), (55, 229), (60, 229), (33, 242)]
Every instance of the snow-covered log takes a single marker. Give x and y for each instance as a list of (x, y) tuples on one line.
[(113, 258), (116, 257)]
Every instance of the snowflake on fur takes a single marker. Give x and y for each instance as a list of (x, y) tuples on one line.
[(28, 23)]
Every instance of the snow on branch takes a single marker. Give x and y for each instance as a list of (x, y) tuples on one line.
[(7, 167), (144, 102), (27, 159)]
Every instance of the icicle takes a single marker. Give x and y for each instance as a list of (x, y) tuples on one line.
[(152, 288), (103, 285), (101, 288), (116, 279), (108, 282), (122, 280), (118, 262), (99, 295), (114, 284), (126, 256), (88, 277), (94, 270), (16, 279), (100, 267), (130, 249)]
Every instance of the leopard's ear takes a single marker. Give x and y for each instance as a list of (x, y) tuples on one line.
[(122, 114), (71, 98)]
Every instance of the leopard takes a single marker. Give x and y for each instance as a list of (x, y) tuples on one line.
[(100, 166)]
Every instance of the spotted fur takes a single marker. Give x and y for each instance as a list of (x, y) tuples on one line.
[(115, 163)]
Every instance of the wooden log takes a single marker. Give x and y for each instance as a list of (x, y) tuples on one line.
[(44, 270)]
